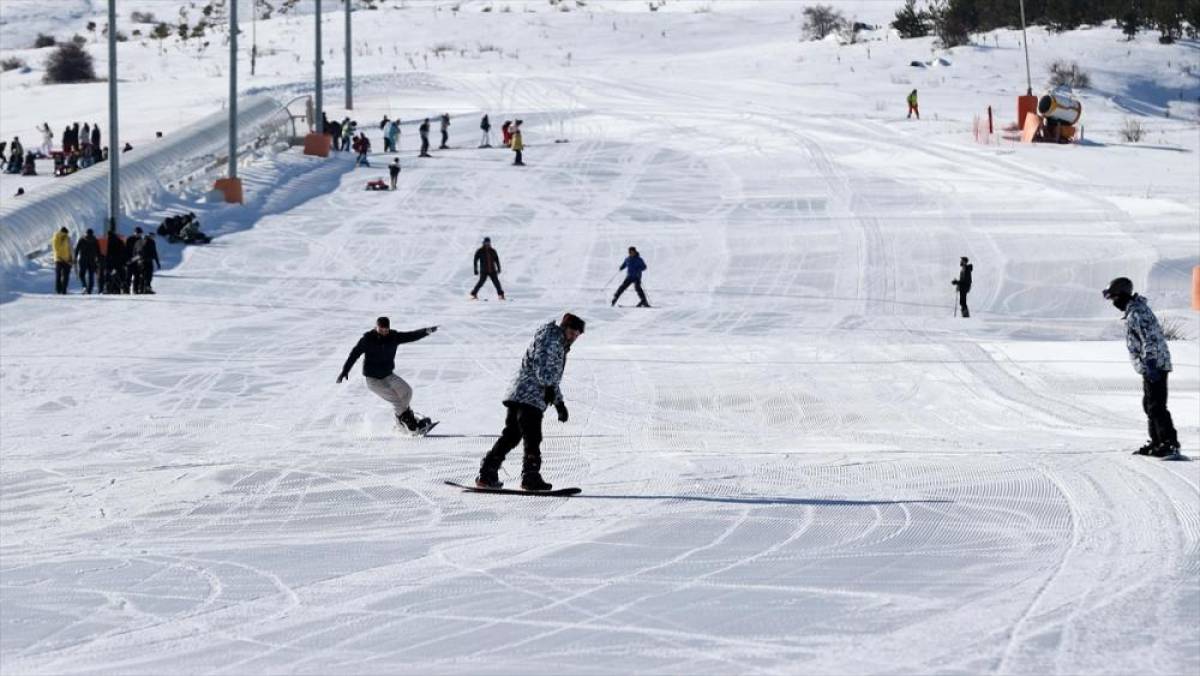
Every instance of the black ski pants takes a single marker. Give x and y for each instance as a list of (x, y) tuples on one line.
[(523, 423), (147, 275), (637, 286), (424, 145), (445, 139), (62, 276), (962, 302), (483, 277), (518, 161), (87, 275), (1154, 403)]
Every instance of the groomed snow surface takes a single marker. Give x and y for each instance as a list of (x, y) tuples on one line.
[(797, 462)]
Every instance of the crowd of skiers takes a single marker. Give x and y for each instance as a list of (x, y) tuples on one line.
[(80, 148), (110, 264), (345, 136)]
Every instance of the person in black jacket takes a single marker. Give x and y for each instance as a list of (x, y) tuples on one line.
[(964, 284), (486, 127), (378, 347), (87, 256), (133, 264), (424, 131), (149, 257), (113, 264), (487, 266)]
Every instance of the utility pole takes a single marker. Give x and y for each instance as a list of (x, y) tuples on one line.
[(349, 75), (114, 137)]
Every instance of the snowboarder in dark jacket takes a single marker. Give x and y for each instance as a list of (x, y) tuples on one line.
[(535, 387), (394, 171), (486, 127), (487, 266), (147, 253), (87, 257), (1148, 351), (964, 284), (424, 131), (133, 263), (113, 274), (633, 267), (378, 348)]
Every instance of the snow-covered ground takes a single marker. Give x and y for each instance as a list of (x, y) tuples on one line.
[(797, 462)]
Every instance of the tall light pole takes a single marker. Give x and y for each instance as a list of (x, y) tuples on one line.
[(349, 78), (231, 186), (320, 109), (1025, 39), (114, 137), (233, 72)]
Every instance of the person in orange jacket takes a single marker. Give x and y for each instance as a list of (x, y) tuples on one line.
[(518, 143)]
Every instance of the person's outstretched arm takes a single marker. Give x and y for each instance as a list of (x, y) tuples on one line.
[(354, 355)]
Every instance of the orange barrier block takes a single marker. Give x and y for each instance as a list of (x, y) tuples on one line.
[(318, 144), (1196, 288), (1029, 131), (231, 188), (1025, 105)]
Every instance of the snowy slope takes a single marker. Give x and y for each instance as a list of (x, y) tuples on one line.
[(798, 461)]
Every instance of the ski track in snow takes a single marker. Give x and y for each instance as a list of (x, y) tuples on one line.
[(796, 462)]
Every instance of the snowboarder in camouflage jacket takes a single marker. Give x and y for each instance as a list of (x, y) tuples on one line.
[(1151, 358), (535, 387)]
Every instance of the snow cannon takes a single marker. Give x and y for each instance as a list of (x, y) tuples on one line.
[(1057, 115), (1059, 107)]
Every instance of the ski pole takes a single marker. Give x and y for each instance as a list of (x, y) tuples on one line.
[(610, 279), (956, 302)]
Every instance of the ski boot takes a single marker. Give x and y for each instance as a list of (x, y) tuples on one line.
[(501, 296), (643, 304), (534, 482), (1166, 449), (487, 478), (1147, 448), (474, 297), (407, 422)]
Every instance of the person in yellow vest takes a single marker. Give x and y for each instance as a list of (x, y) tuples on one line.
[(912, 105), (518, 143), (63, 257)]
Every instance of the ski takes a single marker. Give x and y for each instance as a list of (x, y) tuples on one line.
[(556, 493)]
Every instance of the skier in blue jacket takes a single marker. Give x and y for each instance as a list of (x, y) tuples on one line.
[(633, 267)]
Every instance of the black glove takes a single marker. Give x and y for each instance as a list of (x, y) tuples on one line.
[(432, 329), (954, 282), (562, 412), (550, 394), (342, 376)]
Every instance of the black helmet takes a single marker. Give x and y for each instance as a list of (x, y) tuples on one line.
[(1121, 286)]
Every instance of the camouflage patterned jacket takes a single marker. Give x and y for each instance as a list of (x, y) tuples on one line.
[(1144, 338), (542, 367)]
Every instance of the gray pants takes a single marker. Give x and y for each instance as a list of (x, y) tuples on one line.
[(393, 390)]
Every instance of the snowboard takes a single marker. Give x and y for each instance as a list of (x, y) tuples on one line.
[(1177, 457), (556, 493), (417, 433)]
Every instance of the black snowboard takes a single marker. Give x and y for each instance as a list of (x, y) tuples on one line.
[(556, 493)]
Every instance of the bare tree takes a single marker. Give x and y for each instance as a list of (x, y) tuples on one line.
[(821, 20)]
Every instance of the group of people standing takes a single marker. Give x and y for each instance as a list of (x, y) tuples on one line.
[(120, 265)]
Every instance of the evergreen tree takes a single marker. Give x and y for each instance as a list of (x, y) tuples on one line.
[(911, 23)]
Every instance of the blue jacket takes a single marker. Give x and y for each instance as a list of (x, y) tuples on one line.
[(633, 266), (1144, 338), (542, 367)]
